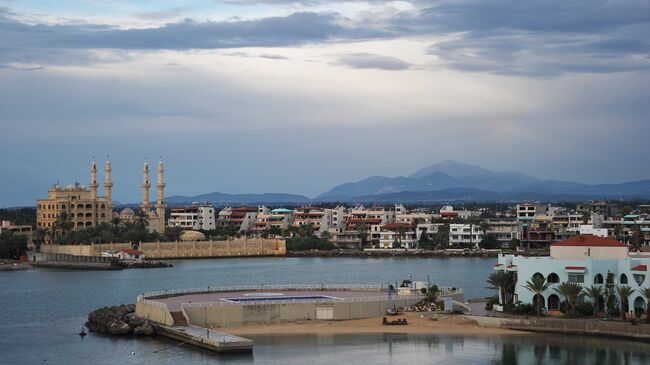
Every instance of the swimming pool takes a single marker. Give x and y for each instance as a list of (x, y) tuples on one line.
[(281, 297)]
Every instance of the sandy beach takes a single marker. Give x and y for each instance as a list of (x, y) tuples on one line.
[(416, 325)]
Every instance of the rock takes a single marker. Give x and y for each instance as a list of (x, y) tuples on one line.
[(145, 329), (119, 328)]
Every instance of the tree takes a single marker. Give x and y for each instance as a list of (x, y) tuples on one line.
[(504, 282), (624, 292), (441, 237), (570, 291), (594, 292), (12, 245), (142, 218), (362, 230), (537, 285), (62, 225), (610, 297), (489, 242)]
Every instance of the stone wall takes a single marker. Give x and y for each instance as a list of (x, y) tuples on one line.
[(190, 249), (223, 316)]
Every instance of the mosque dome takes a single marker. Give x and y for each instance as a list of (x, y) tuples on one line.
[(127, 212), (192, 236)]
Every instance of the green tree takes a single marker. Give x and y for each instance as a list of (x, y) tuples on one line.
[(362, 231), (504, 282), (141, 218), (489, 242), (62, 225), (570, 291), (12, 245), (610, 297), (537, 285), (595, 292), (624, 292), (441, 237)]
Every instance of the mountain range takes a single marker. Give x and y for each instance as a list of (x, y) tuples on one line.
[(447, 180)]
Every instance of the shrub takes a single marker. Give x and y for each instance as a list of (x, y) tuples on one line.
[(584, 309), (524, 309)]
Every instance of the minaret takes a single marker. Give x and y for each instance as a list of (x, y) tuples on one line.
[(108, 184), (160, 202), (146, 205), (93, 180)]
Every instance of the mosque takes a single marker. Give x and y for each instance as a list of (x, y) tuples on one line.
[(87, 209)]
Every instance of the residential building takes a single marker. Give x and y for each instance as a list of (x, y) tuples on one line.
[(526, 212), (240, 218), (504, 231), (194, 217), (397, 235), (22, 229), (603, 208), (465, 235), (278, 219), (583, 259)]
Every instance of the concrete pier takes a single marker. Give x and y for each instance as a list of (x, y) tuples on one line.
[(198, 336)]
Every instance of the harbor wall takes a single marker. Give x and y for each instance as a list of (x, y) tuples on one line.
[(240, 247), (569, 326), (223, 316), (154, 311)]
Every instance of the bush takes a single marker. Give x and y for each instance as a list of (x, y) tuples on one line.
[(308, 243), (524, 309), (584, 309)]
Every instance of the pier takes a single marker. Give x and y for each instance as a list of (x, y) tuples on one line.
[(206, 338)]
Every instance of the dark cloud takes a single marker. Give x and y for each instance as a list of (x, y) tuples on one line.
[(20, 42), (367, 60)]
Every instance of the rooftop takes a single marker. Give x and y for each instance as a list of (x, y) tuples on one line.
[(589, 240)]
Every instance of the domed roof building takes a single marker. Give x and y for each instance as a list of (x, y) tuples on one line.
[(192, 236), (127, 214)]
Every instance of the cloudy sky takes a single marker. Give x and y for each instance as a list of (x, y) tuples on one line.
[(298, 96)]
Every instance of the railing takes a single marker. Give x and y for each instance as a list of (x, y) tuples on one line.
[(443, 291), (294, 301), (152, 303)]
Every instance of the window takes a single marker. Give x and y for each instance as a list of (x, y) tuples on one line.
[(553, 278), (598, 279), (577, 278), (538, 275), (623, 279)]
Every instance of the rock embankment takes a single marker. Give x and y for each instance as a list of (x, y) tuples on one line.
[(145, 264), (424, 306), (118, 321)]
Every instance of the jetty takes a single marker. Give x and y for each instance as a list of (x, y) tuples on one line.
[(205, 338)]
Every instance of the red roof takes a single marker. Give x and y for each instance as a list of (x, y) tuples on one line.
[(396, 225), (574, 268), (511, 266), (589, 240), (640, 268), (497, 265), (132, 251)]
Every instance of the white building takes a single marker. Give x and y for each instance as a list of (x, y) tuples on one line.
[(397, 235), (526, 212), (465, 235), (584, 259), (194, 217), (589, 229)]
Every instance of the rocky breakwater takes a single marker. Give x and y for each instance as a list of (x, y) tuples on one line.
[(119, 321)]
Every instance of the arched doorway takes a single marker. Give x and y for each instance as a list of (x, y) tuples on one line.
[(539, 299), (639, 304), (553, 302), (623, 279)]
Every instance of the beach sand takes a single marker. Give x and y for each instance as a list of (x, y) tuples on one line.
[(446, 324)]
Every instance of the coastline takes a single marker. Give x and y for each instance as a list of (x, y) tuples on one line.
[(452, 324), (404, 253)]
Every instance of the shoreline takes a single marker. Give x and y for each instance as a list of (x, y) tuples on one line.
[(446, 324), (404, 253)]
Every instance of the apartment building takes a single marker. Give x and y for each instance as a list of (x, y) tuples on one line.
[(504, 231), (398, 235), (465, 235), (276, 219), (194, 217), (527, 212), (241, 218)]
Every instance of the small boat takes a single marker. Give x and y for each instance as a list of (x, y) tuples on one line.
[(83, 332)]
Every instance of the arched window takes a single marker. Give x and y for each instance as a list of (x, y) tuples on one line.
[(539, 299), (639, 304), (623, 279), (89, 206), (552, 278), (598, 279), (538, 275)]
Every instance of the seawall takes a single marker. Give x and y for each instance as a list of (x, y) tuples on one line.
[(186, 249), (588, 327)]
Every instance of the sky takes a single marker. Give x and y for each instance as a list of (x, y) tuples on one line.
[(299, 96)]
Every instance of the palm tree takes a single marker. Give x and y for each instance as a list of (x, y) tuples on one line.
[(570, 291), (646, 294), (362, 230), (62, 225), (624, 292), (594, 292), (537, 285), (504, 282), (142, 218)]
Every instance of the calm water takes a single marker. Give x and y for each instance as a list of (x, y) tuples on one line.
[(42, 310)]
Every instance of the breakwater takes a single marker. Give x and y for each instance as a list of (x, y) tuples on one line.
[(186, 249)]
